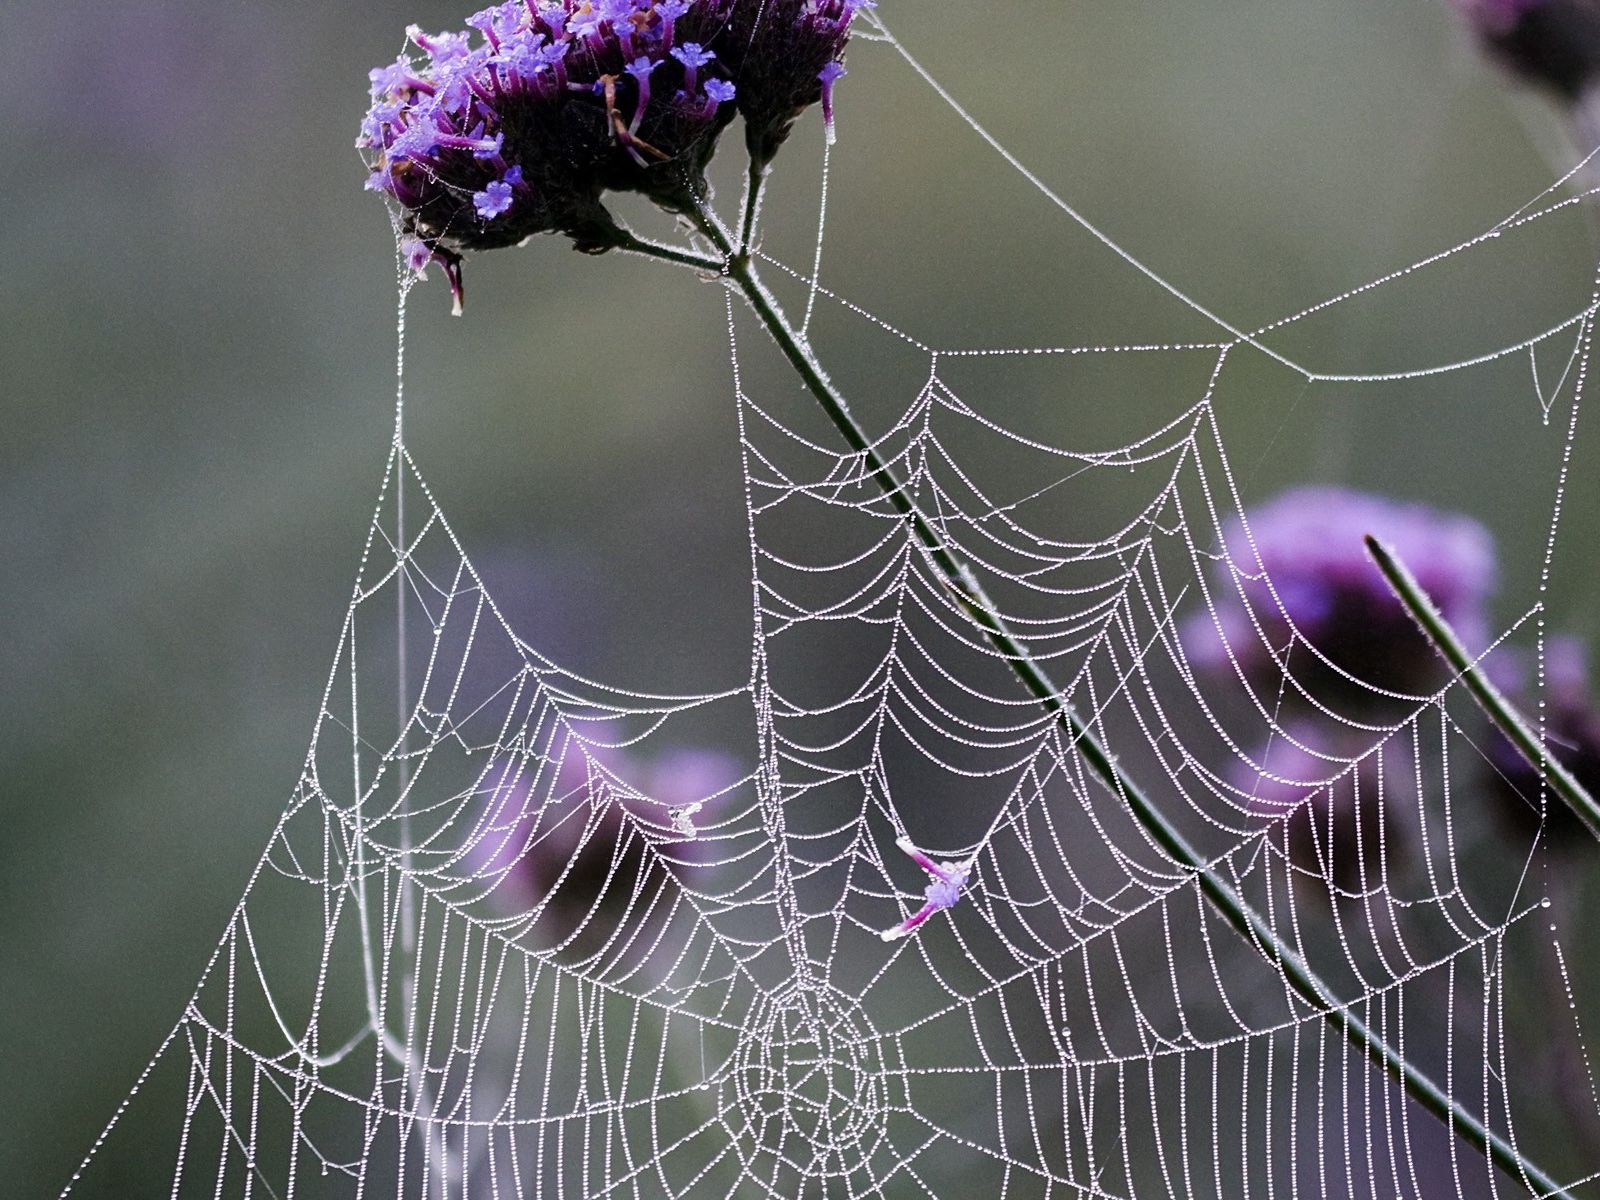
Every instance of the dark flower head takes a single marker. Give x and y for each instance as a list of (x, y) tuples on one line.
[(570, 842), (517, 129), (1571, 730), (520, 126), (786, 56), (1554, 44), (1324, 799), (1314, 578)]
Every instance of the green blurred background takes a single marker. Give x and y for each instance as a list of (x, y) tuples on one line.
[(197, 362)]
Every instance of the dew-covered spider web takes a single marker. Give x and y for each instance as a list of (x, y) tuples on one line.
[(510, 955)]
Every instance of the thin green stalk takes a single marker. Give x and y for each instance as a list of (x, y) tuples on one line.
[(1493, 702), (754, 184), (738, 268), (628, 243)]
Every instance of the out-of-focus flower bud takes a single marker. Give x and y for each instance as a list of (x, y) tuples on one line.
[(572, 840), (1322, 794), (1553, 44)]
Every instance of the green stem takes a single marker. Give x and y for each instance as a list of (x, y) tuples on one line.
[(1489, 697), (754, 183), (738, 268), (630, 244)]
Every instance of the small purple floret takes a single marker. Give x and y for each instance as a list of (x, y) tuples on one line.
[(942, 893), (946, 880), (828, 75), (693, 56), (493, 200), (416, 253)]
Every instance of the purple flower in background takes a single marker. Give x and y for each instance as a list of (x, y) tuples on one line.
[(1571, 731), (1554, 44), (570, 839), (1299, 567), (1327, 802)]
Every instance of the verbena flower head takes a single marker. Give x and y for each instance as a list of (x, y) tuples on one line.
[(1315, 578), (1554, 44), (518, 126), (1572, 733), (786, 56)]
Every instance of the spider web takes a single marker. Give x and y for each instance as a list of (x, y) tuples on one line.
[(539, 970)]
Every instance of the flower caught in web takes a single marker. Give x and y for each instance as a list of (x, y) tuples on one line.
[(521, 125), (946, 879), (1297, 569)]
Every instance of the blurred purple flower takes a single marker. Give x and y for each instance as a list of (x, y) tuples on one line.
[(1309, 573), (1571, 730), (1554, 44), (1326, 799), (569, 837)]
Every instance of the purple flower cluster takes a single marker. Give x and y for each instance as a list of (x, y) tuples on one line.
[(1299, 566), (1554, 44), (521, 128)]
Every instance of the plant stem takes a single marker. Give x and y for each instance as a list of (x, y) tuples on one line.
[(738, 268), (754, 182), (1489, 698), (629, 244)]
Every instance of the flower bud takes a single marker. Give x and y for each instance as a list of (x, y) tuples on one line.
[(569, 842), (1330, 803), (785, 56)]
